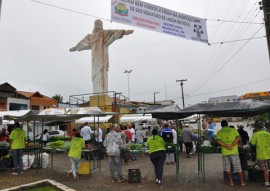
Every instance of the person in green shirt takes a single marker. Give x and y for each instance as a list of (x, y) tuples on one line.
[(74, 154), (17, 139), (261, 139), (157, 153), (228, 138)]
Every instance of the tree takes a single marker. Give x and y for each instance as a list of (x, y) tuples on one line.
[(58, 97)]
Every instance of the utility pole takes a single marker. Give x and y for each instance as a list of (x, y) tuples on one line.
[(0, 8), (128, 72), (265, 6), (181, 83), (155, 96)]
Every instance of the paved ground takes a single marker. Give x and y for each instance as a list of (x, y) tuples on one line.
[(100, 180)]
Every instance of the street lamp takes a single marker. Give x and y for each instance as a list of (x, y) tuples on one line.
[(128, 72), (181, 83), (155, 96)]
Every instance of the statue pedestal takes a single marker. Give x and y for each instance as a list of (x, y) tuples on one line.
[(102, 101)]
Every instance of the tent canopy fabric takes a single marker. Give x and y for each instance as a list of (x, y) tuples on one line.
[(17, 113), (135, 117), (58, 114), (166, 112), (92, 119), (242, 108)]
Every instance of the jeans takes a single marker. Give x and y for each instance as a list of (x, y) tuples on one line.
[(17, 160), (75, 164), (158, 159), (189, 147), (115, 161)]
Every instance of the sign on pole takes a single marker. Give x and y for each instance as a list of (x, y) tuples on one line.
[(148, 16)]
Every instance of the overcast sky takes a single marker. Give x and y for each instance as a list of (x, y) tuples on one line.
[(35, 39)]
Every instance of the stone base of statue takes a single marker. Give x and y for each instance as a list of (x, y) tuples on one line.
[(102, 101)]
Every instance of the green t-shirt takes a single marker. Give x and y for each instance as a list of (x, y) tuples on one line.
[(76, 146), (261, 139), (228, 135), (155, 143), (18, 139)]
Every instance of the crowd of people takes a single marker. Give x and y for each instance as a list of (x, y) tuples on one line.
[(158, 139)]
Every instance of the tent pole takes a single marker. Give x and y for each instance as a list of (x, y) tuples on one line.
[(34, 132), (198, 142), (177, 151)]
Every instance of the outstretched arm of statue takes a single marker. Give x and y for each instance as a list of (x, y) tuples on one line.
[(84, 44), (127, 32), (80, 46)]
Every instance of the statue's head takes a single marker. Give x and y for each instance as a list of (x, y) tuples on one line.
[(98, 26)]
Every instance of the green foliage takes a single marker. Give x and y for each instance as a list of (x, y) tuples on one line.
[(58, 97), (43, 188), (60, 138), (214, 142), (57, 144), (211, 149), (135, 146)]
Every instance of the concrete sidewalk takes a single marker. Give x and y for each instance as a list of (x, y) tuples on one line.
[(100, 180)]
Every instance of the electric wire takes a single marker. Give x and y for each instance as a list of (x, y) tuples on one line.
[(220, 57), (225, 63)]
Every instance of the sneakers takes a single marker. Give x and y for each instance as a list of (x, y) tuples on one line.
[(121, 179), (21, 173), (15, 173), (158, 181), (265, 186), (113, 179)]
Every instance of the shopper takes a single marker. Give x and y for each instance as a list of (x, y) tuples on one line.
[(157, 152), (261, 139), (17, 139), (45, 137), (113, 143), (228, 138), (75, 153), (186, 136), (243, 142), (86, 133)]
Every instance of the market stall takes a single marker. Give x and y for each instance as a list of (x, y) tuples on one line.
[(49, 115), (242, 108)]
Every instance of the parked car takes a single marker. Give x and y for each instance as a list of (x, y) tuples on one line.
[(55, 133)]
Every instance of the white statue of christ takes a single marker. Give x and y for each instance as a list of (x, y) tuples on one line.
[(99, 42)]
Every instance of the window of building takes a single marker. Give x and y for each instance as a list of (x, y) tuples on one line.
[(35, 107)]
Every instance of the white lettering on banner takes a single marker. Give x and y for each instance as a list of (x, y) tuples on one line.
[(148, 16)]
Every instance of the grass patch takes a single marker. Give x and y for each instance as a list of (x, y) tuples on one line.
[(46, 188)]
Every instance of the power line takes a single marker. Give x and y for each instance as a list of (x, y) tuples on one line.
[(228, 21), (229, 41), (70, 10), (226, 62), (236, 87), (222, 54)]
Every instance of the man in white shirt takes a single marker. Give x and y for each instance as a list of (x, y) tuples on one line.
[(98, 135), (86, 135), (132, 130), (99, 142)]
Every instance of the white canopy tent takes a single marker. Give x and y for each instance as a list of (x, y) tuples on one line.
[(17, 113), (136, 117), (102, 119)]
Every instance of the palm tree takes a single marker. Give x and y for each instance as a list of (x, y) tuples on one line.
[(58, 97)]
